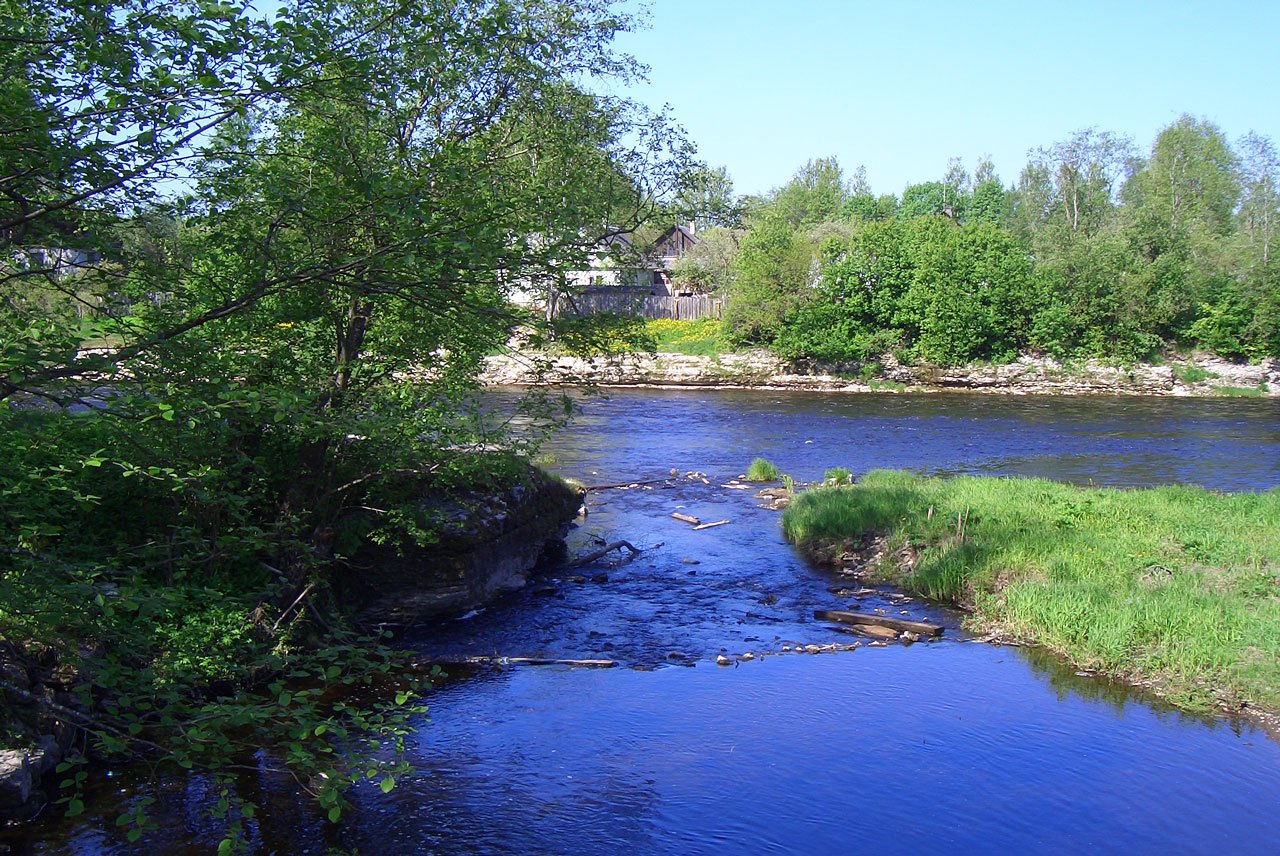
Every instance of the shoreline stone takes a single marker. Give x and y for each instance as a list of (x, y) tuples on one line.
[(765, 371), (489, 545)]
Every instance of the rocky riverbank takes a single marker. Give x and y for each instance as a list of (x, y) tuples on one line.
[(488, 543), (763, 370)]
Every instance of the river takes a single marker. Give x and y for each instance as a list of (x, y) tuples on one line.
[(954, 744)]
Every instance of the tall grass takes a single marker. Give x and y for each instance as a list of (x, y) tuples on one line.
[(1174, 585), (762, 471)]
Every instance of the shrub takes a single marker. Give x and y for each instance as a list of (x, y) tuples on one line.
[(762, 471), (838, 476)]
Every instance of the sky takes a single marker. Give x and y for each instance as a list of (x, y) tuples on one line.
[(762, 86)]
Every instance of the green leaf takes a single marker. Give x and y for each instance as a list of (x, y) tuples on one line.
[(334, 814), (387, 784)]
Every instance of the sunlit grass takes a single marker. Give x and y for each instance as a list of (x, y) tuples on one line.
[(761, 470), (1175, 585), (704, 337)]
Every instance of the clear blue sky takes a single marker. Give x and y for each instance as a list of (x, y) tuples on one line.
[(763, 85)]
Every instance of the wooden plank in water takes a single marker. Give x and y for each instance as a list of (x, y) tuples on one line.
[(898, 624)]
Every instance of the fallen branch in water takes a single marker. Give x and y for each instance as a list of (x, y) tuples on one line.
[(710, 525), (609, 548), (528, 661), (626, 484), (896, 624), (687, 518)]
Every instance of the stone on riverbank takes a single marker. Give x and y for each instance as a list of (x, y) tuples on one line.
[(487, 546), (763, 370)]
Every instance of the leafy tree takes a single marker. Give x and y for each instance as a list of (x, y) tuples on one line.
[(771, 276), (1069, 191), (817, 192), (705, 195), (868, 208), (708, 267), (922, 200), (1188, 187), (293, 214)]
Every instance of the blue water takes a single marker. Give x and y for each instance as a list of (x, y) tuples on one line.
[(955, 745)]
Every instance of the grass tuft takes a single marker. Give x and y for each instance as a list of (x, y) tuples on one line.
[(762, 471), (838, 476)]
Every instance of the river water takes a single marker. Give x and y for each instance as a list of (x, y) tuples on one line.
[(952, 744)]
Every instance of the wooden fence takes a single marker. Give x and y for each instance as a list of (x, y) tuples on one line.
[(644, 306)]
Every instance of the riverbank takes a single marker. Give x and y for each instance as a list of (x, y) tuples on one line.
[(1204, 376), (1172, 589)]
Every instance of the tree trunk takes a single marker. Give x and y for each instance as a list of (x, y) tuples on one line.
[(350, 342)]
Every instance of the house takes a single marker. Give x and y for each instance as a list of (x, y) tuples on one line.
[(618, 275), (620, 266), (667, 250), (614, 264)]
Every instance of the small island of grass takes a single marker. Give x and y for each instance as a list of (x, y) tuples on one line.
[(1176, 588)]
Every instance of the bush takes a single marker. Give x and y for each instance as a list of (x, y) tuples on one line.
[(838, 476), (762, 471)]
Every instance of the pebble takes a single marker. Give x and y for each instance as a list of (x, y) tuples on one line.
[(909, 636)]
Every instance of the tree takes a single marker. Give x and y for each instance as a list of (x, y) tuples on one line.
[(706, 197), (708, 267), (771, 276), (923, 200), (1070, 190), (817, 192), (1182, 203), (1189, 185), (1260, 205), (293, 215)]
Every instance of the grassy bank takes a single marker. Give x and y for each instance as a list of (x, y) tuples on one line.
[(1176, 587), (703, 338)]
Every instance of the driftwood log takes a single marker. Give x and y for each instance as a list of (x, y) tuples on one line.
[(897, 624), (687, 518), (626, 484), (528, 661), (608, 548), (710, 525)]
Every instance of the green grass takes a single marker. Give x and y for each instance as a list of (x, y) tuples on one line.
[(838, 476), (703, 338), (762, 471), (1240, 391), (1175, 586), (1188, 373)]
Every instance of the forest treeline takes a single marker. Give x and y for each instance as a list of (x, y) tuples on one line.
[(1096, 250)]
